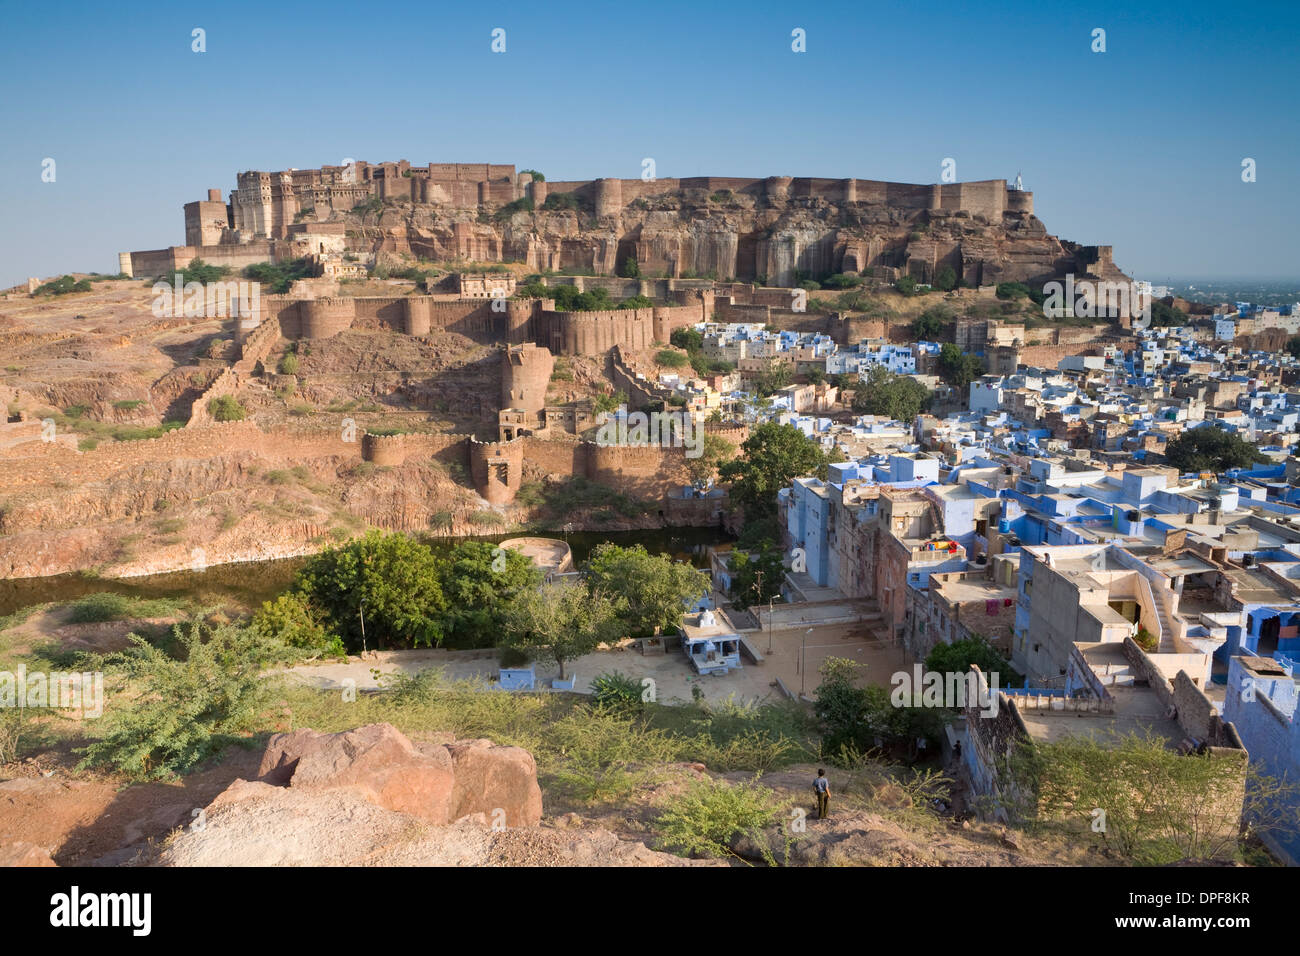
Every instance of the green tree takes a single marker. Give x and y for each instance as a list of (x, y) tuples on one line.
[(630, 268), (853, 718), (945, 279), (1011, 290), (715, 451), (279, 276), (773, 455), (1164, 314), (958, 368), (561, 620), (905, 284), (292, 620), (930, 324), (1210, 448), (688, 339), (773, 377), (608, 401), (756, 575), (651, 591), (479, 580), (394, 581), (957, 658), (1293, 346), (887, 393)]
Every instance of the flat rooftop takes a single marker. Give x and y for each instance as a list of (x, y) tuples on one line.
[(973, 588), (1137, 710)]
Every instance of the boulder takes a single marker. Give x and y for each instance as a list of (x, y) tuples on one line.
[(439, 782), (377, 761), (491, 779)]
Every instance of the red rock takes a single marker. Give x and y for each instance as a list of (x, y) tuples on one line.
[(491, 778), (376, 760)]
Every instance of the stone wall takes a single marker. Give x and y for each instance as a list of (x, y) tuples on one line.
[(256, 344), (227, 383), (45, 463)]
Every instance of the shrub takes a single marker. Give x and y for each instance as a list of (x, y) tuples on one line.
[(557, 202), (13, 721), (618, 693), (63, 286), (289, 364), (226, 408), (129, 404), (279, 276), (186, 709), (1011, 290), (196, 271), (671, 359), (906, 285), (712, 814), (524, 204), (842, 281), (291, 620)]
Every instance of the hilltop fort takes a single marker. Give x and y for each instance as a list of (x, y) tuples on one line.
[(770, 230)]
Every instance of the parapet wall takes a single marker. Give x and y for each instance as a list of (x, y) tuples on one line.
[(989, 197)]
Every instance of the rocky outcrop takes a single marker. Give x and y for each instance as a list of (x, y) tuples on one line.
[(256, 824), (441, 783), (752, 232), (369, 797)]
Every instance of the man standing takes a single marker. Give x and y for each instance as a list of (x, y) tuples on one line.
[(823, 788)]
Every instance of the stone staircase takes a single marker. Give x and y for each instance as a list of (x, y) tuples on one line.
[(1166, 630)]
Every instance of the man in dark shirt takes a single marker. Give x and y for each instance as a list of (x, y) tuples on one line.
[(823, 788)]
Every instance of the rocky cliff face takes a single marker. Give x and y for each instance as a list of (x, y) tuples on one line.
[(743, 235)]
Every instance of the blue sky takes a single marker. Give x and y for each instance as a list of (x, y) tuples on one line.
[(1139, 147)]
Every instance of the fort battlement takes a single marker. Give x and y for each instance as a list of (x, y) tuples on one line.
[(267, 205), (770, 228)]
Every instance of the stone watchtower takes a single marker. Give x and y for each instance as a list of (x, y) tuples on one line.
[(525, 374)]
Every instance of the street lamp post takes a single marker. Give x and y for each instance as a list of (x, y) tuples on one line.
[(803, 661), (769, 625)]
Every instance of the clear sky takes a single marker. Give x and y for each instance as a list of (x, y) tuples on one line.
[(1139, 147)]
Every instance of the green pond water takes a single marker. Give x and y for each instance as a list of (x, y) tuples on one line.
[(252, 582)]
